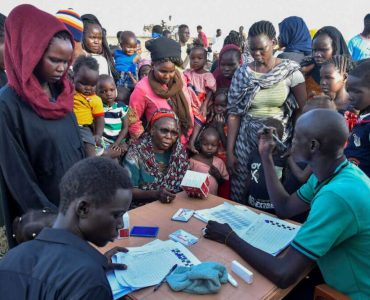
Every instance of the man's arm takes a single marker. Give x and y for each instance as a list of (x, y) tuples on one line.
[(285, 205), (283, 270)]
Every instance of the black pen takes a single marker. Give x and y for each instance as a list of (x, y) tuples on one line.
[(164, 278)]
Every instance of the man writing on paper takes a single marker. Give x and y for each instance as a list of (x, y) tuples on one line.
[(336, 234)]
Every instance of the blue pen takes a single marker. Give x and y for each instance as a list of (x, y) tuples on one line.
[(165, 277)]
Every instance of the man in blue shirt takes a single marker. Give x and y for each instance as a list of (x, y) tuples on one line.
[(359, 45), (60, 263), (336, 233)]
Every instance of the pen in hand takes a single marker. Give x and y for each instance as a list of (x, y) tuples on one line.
[(165, 277)]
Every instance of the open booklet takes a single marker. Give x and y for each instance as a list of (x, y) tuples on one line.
[(147, 265), (262, 231)]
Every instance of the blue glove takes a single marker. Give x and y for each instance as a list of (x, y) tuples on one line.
[(205, 278)]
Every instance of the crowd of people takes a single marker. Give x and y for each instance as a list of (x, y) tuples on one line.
[(90, 130)]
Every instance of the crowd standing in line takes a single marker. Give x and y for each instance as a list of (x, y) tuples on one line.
[(158, 110)]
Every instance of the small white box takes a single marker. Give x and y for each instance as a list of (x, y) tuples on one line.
[(242, 272)]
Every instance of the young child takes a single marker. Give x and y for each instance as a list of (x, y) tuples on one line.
[(203, 84), (333, 77), (358, 88), (28, 226), (206, 160), (87, 106), (143, 68), (115, 117), (217, 118), (258, 196), (127, 59)]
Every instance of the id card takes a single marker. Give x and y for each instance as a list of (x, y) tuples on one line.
[(144, 231), (183, 215)]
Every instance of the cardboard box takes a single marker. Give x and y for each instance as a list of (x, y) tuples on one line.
[(196, 184)]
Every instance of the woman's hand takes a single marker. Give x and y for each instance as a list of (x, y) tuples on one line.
[(165, 196), (213, 171), (97, 139), (232, 164), (218, 232), (192, 148), (109, 254)]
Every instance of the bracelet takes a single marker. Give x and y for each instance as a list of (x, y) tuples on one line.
[(228, 235)]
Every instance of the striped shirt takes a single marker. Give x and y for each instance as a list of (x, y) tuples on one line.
[(113, 117)]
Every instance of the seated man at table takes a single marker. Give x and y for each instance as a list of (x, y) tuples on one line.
[(60, 263), (336, 234)]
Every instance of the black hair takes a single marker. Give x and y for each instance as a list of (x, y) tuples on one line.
[(125, 35), (199, 27), (29, 225), (87, 61), (362, 71), (165, 32), (104, 77), (63, 35), (221, 91), (92, 20), (342, 63), (277, 124), (175, 60), (183, 26), (197, 44), (218, 29), (367, 18), (203, 132), (157, 29), (97, 178), (262, 27), (233, 38), (118, 35)]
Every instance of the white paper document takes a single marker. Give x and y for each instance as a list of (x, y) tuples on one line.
[(262, 231)]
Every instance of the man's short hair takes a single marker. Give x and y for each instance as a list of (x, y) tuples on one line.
[(183, 26), (362, 71), (199, 27), (97, 178)]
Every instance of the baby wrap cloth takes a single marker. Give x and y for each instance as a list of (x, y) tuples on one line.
[(205, 278)]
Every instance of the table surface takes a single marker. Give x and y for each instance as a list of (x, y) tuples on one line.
[(158, 214)]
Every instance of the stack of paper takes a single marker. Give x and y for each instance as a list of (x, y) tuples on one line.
[(264, 232), (147, 265)]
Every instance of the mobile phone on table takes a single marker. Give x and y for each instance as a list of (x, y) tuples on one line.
[(144, 231)]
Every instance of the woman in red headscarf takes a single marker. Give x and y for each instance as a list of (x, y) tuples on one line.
[(40, 137), (157, 161)]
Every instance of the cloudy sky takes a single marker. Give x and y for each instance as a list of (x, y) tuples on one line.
[(118, 15)]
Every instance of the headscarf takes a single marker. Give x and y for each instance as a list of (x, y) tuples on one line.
[(91, 19), (29, 31), (339, 44), (176, 98), (221, 80), (162, 48), (295, 36), (163, 113)]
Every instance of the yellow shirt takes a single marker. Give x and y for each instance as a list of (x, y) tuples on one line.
[(86, 108)]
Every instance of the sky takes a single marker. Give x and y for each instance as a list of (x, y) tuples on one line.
[(117, 15)]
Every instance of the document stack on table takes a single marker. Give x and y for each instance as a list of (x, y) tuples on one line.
[(262, 231), (147, 265)]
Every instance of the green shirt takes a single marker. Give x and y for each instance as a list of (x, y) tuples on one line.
[(337, 231)]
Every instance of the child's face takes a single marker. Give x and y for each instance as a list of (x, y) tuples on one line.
[(129, 46), (107, 91), (144, 71), (197, 59), (359, 93), (94, 38), (220, 103), (322, 49), (229, 63), (331, 81), (54, 62), (85, 81), (209, 145)]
